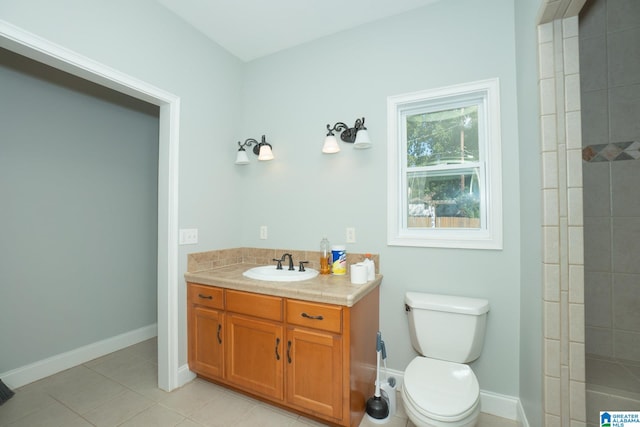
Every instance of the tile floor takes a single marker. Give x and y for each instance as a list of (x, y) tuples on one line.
[(120, 389), (612, 385)]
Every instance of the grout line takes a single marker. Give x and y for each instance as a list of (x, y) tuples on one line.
[(631, 373)]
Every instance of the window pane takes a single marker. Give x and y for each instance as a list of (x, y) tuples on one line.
[(445, 177), (442, 137), (449, 199)]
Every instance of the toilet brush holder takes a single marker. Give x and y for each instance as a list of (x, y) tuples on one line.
[(389, 392)]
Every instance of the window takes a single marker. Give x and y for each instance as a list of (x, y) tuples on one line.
[(445, 167)]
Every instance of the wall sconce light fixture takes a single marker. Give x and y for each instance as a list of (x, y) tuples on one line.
[(261, 149), (357, 135)]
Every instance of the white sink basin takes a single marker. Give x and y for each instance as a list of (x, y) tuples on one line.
[(272, 274)]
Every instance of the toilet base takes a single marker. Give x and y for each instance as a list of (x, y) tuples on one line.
[(420, 420)]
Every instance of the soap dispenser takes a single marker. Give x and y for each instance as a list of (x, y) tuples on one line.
[(325, 255)]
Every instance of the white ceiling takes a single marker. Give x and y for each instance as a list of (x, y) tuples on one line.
[(250, 29)]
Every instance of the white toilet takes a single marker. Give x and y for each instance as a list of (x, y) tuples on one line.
[(439, 389)]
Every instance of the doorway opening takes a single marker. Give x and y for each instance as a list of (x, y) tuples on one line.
[(31, 46)]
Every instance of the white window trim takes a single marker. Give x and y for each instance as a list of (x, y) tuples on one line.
[(489, 236)]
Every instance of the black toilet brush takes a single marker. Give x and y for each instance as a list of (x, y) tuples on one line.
[(377, 407), (5, 393)]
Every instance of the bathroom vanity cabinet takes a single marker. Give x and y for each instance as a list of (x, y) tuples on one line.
[(254, 352), (205, 318), (311, 357)]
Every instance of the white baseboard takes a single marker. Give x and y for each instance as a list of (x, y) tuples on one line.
[(60, 362), (522, 416), (500, 405), (185, 375)]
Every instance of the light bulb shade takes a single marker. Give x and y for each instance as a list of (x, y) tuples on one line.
[(362, 140), (241, 158), (265, 152), (330, 145)]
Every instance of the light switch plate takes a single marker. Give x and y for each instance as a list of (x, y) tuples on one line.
[(263, 232)]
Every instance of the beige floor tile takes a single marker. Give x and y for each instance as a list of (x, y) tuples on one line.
[(83, 396), (78, 422), (25, 401), (400, 412), (113, 362), (79, 388), (148, 350), (225, 410), (155, 416), (278, 410), (118, 410), (191, 397), (54, 415), (189, 423), (263, 416), (141, 377), (120, 389), (144, 380), (70, 378), (306, 422)]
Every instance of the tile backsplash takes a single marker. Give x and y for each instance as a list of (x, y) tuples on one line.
[(219, 258)]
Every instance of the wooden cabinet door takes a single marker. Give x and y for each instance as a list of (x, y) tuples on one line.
[(206, 350), (255, 355), (314, 371)]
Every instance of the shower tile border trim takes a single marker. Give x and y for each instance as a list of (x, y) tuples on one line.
[(611, 152)]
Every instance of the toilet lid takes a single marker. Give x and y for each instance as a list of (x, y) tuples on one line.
[(441, 389)]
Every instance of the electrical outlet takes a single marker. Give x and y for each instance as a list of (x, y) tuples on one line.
[(263, 232), (188, 236), (351, 235)]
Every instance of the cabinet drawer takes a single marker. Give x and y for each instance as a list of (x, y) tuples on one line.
[(315, 315), (208, 296), (257, 305)]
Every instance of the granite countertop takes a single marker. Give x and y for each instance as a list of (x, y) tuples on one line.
[(323, 288)]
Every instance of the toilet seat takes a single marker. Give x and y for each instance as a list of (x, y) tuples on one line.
[(441, 390)]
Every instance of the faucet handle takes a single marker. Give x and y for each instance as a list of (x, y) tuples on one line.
[(279, 266), (302, 263)]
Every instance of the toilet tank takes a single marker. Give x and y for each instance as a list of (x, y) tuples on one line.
[(447, 327)]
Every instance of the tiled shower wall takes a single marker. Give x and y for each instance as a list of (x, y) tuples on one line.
[(564, 367), (610, 81)]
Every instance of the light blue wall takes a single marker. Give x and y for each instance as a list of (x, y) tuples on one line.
[(303, 194), (145, 41), (530, 212), (79, 191)]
